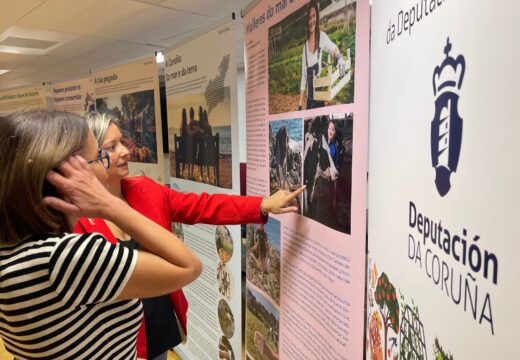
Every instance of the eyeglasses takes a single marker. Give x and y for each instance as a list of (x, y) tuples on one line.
[(103, 157)]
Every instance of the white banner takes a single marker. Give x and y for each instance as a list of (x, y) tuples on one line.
[(443, 189), (201, 85), (307, 72), (76, 96), (130, 92), (22, 100)]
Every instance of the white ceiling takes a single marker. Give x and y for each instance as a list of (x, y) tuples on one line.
[(108, 33)]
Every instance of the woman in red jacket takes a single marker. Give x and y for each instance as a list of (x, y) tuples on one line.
[(164, 206)]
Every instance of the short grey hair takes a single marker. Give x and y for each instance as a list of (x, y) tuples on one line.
[(99, 123)]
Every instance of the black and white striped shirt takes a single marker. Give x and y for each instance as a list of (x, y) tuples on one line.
[(57, 298)]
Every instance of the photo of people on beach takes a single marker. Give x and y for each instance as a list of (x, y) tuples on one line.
[(327, 170), (200, 140), (263, 257), (285, 147), (136, 115), (262, 327), (312, 57)]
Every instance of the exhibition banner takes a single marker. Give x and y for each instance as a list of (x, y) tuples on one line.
[(443, 195), (201, 98), (130, 92), (201, 93), (22, 99), (76, 96), (307, 120)]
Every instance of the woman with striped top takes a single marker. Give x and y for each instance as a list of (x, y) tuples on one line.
[(68, 296)]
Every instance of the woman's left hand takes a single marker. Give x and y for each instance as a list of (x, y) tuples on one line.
[(82, 195), (281, 202)]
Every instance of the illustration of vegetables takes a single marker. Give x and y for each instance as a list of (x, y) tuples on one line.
[(439, 352), (375, 325)]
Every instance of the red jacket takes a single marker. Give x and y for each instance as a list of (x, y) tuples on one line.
[(164, 206)]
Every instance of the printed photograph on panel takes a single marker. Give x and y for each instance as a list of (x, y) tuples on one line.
[(200, 139), (178, 230), (226, 284), (262, 327), (311, 57), (136, 114), (90, 104), (225, 350), (327, 170), (224, 243), (226, 318), (285, 148), (263, 257)]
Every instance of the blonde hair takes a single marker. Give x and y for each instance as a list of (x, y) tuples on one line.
[(99, 123), (31, 144)]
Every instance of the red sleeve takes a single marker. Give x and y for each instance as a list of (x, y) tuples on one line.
[(217, 209)]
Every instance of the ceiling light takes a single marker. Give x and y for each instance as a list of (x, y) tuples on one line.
[(17, 40), (159, 57), (3, 71)]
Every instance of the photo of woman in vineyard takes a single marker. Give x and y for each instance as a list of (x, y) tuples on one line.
[(328, 52)]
